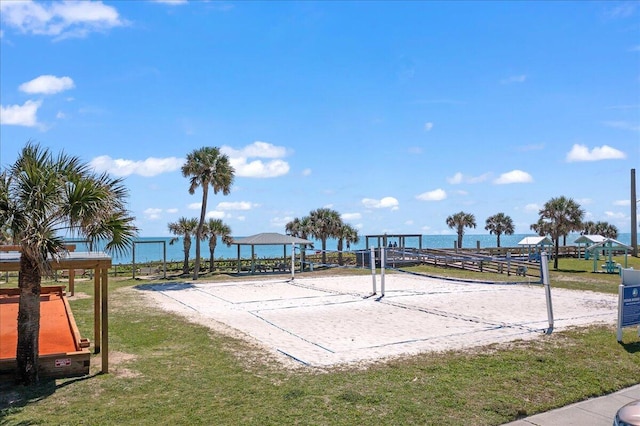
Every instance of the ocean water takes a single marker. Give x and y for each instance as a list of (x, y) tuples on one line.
[(151, 249)]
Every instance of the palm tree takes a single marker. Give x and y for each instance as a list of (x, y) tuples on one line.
[(207, 167), (214, 228), (348, 234), (459, 221), (499, 224), (558, 217), (300, 228), (325, 223), (42, 197), (184, 228), (605, 229)]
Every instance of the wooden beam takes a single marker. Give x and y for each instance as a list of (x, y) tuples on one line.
[(105, 319)]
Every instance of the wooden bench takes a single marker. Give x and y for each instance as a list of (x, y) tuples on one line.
[(148, 270), (76, 272), (282, 267), (522, 270)]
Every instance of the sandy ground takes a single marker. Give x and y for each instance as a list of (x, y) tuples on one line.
[(329, 321)]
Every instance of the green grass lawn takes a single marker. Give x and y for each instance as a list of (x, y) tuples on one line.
[(165, 370)]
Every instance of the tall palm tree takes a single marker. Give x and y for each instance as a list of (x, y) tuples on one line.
[(605, 229), (348, 234), (43, 197), (325, 223), (558, 217), (300, 228), (459, 221), (213, 229), (184, 228), (207, 167), (499, 224)]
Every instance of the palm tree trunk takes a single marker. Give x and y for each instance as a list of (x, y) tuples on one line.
[(203, 212), (324, 251), (185, 264), (340, 252), (212, 248), (27, 350), (459, 240), (556, 251)]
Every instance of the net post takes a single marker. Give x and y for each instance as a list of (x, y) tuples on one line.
[(544, 270), (382, 267), (372, 261)]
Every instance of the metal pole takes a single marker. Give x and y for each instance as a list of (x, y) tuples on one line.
[(133, 260), (544, 270), (382, 265), (372, 260), (293, 260), (634, 215)]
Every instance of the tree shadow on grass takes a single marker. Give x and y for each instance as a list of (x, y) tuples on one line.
[(632, 347), (170, 286), (15, 397)]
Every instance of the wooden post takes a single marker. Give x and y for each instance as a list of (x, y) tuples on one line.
[(72, 281), (105, 319), (96, 313)]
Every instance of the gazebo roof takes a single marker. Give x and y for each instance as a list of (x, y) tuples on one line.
[(535, 241), (270, 238), (609, 242), (589, 239)]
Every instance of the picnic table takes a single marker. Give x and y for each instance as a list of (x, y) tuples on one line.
[(611, 267)]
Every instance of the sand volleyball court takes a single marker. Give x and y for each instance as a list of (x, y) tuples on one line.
[(328, 321)]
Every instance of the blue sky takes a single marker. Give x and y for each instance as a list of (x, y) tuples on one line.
[(395, 114)]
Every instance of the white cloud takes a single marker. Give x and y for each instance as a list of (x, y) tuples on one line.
[(384, 203), (604, 152), (459, 178), (149, 167), (152, 213), (47, 85), (214, 214), (532, 207), (351, 216), (514, 176), (239, 159), (514, 79), (59, 19), (624, 125), (172, 210), (61, 115), (194, 206), (435, 195), (280, 222), (584, 201), (428, 126), (614, 215), (235, 205), (623, 203), (306, 172), (20, 115), (171, 2)]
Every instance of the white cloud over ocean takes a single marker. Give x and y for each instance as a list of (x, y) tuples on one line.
[(435, 195), (514, 176), (20, 115), (247, 161), (605, 152), (47, 85), (149, 167)]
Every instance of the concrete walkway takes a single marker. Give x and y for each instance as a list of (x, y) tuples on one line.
[(592, 412)]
